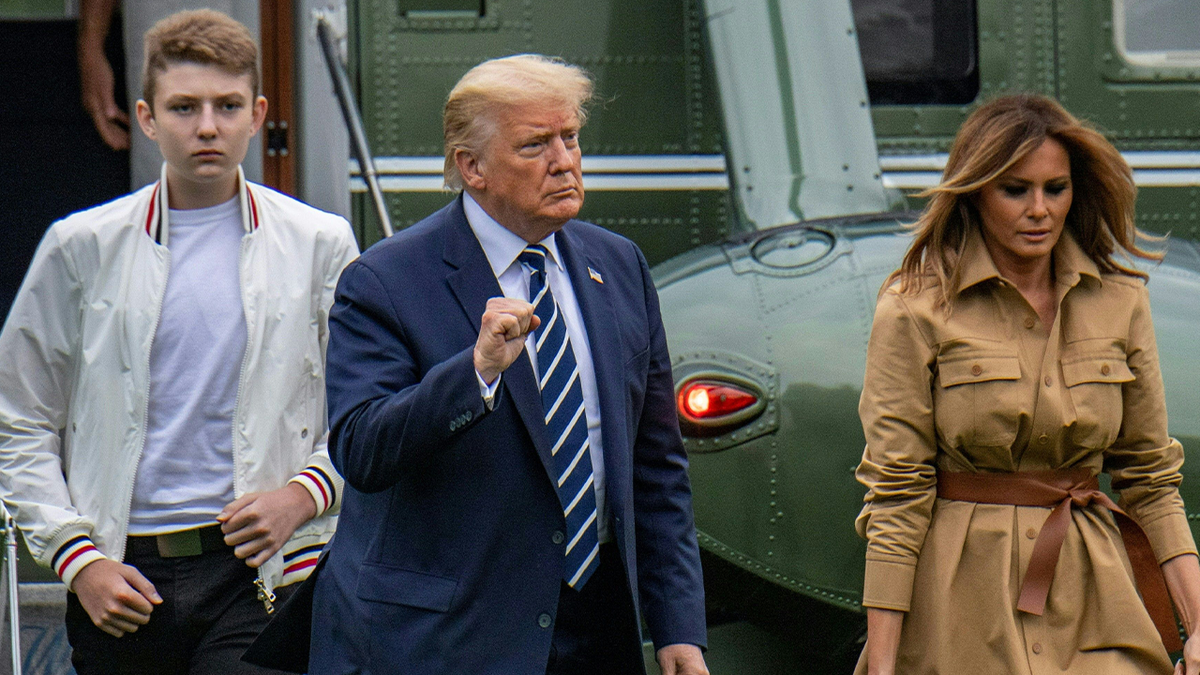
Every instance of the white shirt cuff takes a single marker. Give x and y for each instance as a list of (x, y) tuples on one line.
[(488, 392)]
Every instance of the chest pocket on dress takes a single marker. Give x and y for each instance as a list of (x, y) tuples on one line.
[(1093, 371), (974, 401)]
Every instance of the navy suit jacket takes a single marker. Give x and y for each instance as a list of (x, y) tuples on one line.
[(445, 560)]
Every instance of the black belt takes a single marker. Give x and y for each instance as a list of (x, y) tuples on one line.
[(177, 544)]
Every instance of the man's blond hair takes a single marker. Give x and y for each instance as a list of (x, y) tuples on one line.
[(203, 36), (470, 116)]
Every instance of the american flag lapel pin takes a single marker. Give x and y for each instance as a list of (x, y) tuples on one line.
[(595, 276)]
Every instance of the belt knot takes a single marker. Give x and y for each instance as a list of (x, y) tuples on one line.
[(1084, 496)]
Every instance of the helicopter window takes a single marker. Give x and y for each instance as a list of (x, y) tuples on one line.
[(918, 51), (441, 9), (1158, 32)]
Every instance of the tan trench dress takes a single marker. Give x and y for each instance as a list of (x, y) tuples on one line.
[(990, 388)]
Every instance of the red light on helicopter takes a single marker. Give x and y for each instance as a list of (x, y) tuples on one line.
[(706, 400)]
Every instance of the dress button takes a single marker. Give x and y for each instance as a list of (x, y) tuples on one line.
[(1037, 648), (1043, 439), (976, 369), (1030, 322), (1031, 533), (1104, 369), (1049, 381), (304, 432), (544, 620), (558, 537)]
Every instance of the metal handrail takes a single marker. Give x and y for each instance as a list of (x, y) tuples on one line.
[(358, 137), (10, 569)]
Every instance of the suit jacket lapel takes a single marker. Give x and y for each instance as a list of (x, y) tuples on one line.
[(473, 283), (600, 319)]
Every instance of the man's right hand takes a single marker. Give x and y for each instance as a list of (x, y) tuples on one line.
[(116, 596), (506, 323)]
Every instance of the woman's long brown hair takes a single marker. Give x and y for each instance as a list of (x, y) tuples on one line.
[(996, 136)]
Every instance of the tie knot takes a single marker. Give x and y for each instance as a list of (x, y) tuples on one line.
[(534, 256)]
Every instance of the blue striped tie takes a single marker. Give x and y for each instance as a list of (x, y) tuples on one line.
[(566, 423)]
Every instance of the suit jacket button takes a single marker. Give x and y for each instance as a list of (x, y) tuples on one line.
[(558, 537), (544, 620), (454, 425)]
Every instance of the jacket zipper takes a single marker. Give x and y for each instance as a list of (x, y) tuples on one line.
[(260, 582), (145, 402)]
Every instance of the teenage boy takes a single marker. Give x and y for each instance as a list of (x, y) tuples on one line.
[(162, 397)]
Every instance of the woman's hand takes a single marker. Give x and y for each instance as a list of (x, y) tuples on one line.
[(1182, 574), (883, 640), (1190, 663)]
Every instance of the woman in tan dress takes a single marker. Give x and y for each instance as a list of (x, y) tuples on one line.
[(1012, 359)]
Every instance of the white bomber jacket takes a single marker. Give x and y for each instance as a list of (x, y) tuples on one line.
[(75, 372)]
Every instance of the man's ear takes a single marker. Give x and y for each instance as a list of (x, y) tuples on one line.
[(145, 118), (260, 112), (470, 168)]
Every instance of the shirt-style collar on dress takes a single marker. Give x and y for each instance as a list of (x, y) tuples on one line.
[(1070, 262), (500, 244)]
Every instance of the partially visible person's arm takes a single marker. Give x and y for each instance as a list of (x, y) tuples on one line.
[(669, 578), (1145, 464), (41, 344), (897, 468), (96, 74)]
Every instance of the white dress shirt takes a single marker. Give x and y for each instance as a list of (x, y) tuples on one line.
[(502, 247)]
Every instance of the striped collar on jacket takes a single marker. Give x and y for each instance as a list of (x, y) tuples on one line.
[(157, 214)]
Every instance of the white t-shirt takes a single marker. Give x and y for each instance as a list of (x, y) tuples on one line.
[(185, 475)]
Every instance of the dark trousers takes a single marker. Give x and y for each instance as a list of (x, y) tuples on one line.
[(595, 630), (210, 613)]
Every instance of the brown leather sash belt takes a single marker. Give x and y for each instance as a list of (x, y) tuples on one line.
[(1062, 490)]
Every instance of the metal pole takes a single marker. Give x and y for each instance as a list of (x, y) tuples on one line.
[(10, 566), (358, 137)]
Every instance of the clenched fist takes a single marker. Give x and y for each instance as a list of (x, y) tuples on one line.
[(506, 323)]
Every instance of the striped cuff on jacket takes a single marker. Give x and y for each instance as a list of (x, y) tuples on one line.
[(298, 564), (319, 485), (73, 556)]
